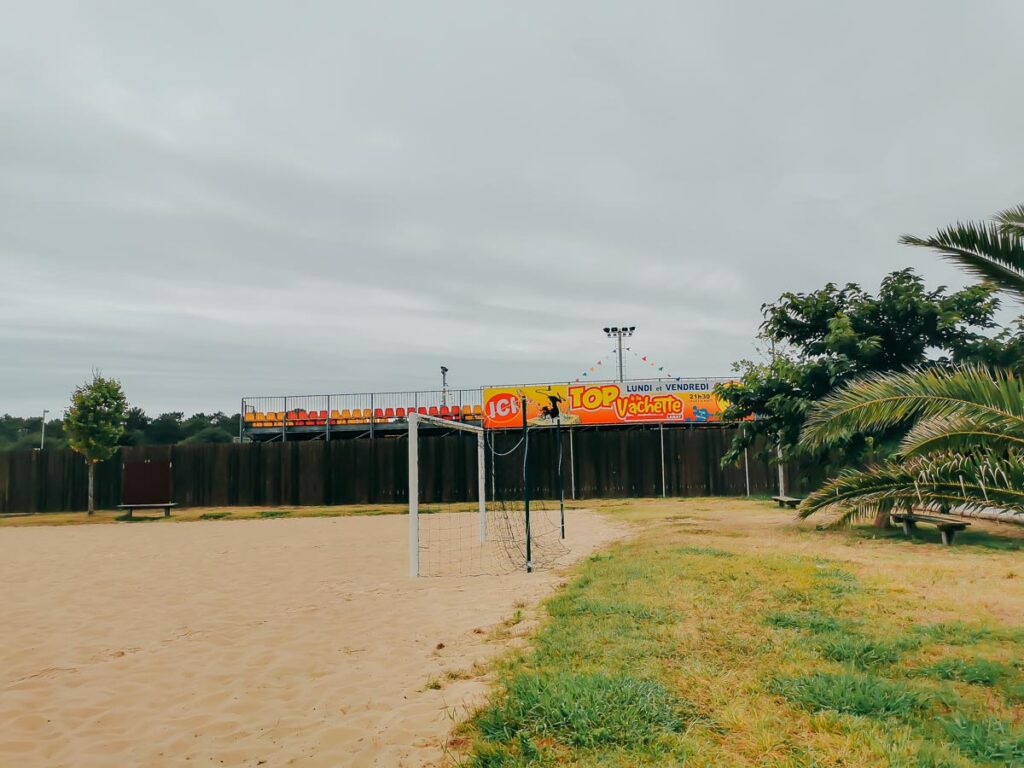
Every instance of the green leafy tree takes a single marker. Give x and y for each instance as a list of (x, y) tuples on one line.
[(966, 445), (94, 423), (821, 340)]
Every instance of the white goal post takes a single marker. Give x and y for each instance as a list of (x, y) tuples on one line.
[(414, 481)]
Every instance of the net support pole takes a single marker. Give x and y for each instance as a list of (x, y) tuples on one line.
[(526, 489), (481, 483), (561, 478), (572, 467), (661, 434), (414, 497)]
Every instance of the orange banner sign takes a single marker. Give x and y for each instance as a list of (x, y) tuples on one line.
[(630, 402)]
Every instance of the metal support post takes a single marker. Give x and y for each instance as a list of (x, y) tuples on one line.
[(572, 466), (481, 484), (414, 497), (661, 431), (526, 489)]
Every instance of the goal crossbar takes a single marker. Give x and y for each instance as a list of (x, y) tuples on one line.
[(414, 481)]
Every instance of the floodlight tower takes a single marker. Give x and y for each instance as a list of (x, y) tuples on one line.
[(617, 333), (444, 385)]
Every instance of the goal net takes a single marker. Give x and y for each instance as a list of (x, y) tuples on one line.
[(501, 530)]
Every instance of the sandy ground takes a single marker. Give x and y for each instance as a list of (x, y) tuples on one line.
[(243, 643)]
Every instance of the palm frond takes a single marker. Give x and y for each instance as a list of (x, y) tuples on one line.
[(882, 400), (944, 434), (970, 482), (1011, 221), (984, 250)]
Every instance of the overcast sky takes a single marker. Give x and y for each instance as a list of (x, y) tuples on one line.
[(215, 199)]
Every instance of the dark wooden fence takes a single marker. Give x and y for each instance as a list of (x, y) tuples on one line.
[(597, 463)]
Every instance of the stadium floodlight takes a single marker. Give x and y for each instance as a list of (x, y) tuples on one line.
[(617, 333)]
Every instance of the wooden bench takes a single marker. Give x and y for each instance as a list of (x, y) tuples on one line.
[(132, 507), (947, 526), (787, 501)]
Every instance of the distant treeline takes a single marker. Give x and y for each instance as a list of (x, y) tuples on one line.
[(166, 429)]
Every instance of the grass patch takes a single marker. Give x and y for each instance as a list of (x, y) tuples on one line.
[(951, 633), (850, 694), (990, 739), (811, 621), (977, 671), (656, 629), (214, 515), (859, 651), (587, 710), (707, 551), (575, 604), (271, 513)]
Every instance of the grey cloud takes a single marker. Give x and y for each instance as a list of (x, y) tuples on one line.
[(212, 200)]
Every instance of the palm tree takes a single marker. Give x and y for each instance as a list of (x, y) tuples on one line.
[(992, 251), (965, 448), (965, 445)]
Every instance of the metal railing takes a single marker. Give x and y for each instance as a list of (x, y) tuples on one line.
[(370, 410)]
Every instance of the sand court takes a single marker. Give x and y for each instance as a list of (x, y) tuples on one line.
[(243, 643)]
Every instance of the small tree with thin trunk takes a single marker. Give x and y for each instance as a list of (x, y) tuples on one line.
[(94, 422)]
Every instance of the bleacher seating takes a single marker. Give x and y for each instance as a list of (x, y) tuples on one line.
[(387, 414)]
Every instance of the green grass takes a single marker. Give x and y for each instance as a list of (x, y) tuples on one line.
[(951, 633), (270, 513), (860, 651), (812, 621), (666, 650), (584, 710), (709, 551), (214, 515), (976, 671), (851, 694), (989, 739)]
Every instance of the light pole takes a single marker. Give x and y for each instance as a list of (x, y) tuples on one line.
[(42, 438), (444, 385), (617, 333)]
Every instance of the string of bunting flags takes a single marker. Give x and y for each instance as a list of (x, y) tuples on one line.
[(647, 361), (596, 367)]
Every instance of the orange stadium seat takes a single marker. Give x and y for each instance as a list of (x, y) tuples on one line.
[(335, 416), (389, 413), (445, 412), (378, 414), (433, 410), (400, 413)]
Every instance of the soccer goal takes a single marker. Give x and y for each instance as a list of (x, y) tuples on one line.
[(491, 534)]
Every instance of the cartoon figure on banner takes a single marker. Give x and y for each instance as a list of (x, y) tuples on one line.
[(550, 411)]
